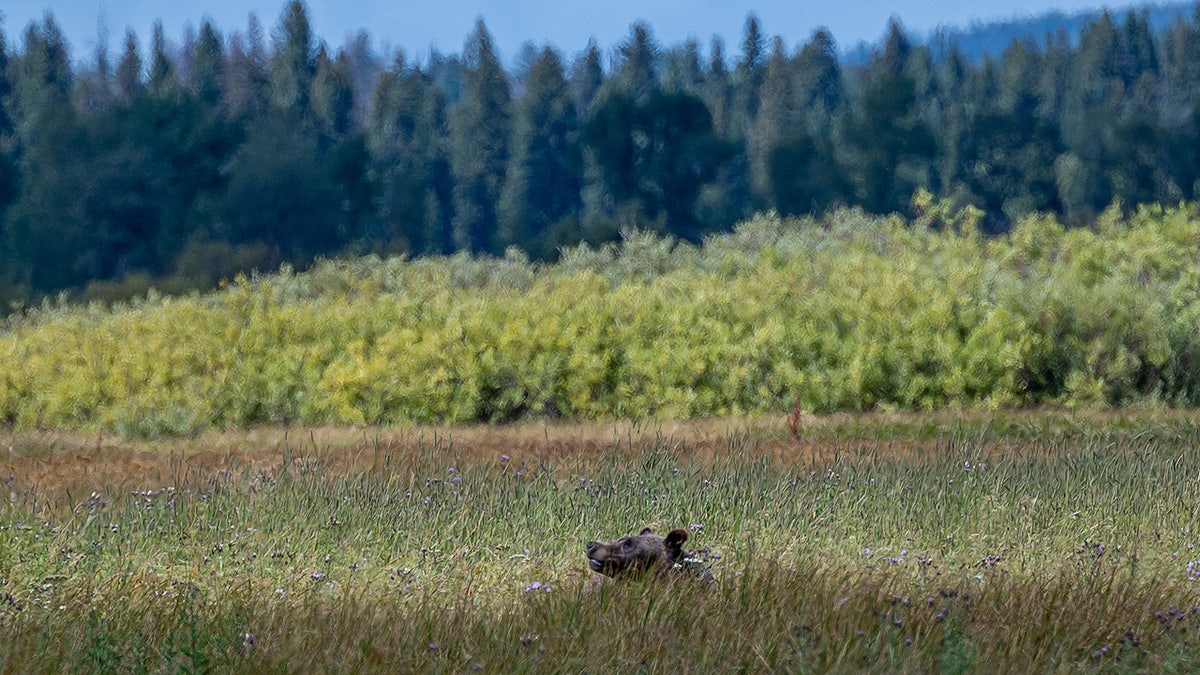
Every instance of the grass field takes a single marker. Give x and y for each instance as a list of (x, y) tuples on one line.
[(1027, 542)]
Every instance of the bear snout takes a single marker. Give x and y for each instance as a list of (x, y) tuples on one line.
[(596, 565)]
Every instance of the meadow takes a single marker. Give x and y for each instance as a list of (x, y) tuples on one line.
[(989, 463), (951, 542)]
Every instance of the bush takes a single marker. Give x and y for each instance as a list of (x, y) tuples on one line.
[(848, 313)]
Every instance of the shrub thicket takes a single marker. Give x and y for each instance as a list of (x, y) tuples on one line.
[(849, 312)]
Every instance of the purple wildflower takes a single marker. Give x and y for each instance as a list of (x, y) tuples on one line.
[(989, 561)]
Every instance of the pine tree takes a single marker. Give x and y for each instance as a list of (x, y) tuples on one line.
[(365, 67), (819, 83), (1009, 146), (587, 76), (955, 108), (540, 203), (1180, 104), (1138, 167), (479, 129), (9, 176), (6, 120), (293, 64), (282, 191), (247, 78), (208, 68), (448, 73), (726, 199), (683, 72), (889, 147), (1180, 67), (402, 137), (1138, 55), (129, 71), (684, 155), (745, 83), (162, 82), (638, 67), (748, 78), (44, 83), (95, 87), (439, 197), (794, 166), (333, 94), (778, 117), (655, 156), (47, 232), (1090, 116), (716, 91), (587, 82)]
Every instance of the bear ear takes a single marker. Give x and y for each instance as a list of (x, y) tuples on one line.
[(675, 538), (645, 530)]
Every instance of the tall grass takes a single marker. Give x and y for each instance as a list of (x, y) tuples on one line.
[(974, 549)]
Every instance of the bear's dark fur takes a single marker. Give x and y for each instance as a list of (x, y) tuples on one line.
[(645, 553)]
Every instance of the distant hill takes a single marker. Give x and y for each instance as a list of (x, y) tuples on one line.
[(981, 39)]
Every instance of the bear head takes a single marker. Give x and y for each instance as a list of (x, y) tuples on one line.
[(632, 556)]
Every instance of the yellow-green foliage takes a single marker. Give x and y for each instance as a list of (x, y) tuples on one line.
[(852, 312)]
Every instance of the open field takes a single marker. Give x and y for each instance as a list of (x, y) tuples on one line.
[(1036, 541)]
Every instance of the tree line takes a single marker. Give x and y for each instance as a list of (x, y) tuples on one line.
[(249, 150)]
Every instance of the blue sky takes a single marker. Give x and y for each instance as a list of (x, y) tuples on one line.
[(567, 24)]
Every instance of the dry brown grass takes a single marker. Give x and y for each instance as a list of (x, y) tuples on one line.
[(1078, 559), (54, 462), (51, 463)]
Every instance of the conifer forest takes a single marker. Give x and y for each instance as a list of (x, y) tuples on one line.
[(176, 165)]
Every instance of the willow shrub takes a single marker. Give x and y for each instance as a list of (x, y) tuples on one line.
[(847, 313)]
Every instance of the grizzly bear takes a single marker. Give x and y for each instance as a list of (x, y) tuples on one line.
[(647, 552)]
